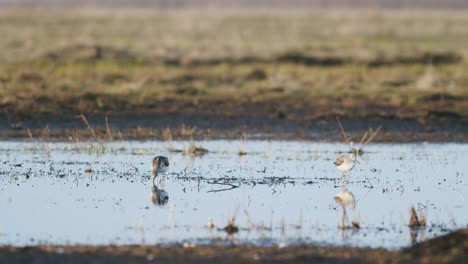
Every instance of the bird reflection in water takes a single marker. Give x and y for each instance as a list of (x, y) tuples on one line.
[(159, 165), (417, 224), (346, 199), (159, 196), (417, 235)]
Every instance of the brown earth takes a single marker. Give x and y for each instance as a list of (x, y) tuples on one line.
[(451, 248), (264, 74), (253, 121)]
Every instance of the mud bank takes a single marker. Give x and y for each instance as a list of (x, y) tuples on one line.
[(451, 248), (207, 126)]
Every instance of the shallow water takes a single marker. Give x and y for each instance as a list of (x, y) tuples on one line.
[(280, 193)]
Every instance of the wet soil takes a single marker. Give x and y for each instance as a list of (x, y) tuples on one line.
[(432, 128), (451, 248)]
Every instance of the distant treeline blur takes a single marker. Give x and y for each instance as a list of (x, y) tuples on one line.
[(430, 4)]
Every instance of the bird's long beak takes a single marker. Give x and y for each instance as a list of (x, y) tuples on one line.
[(358, 162)]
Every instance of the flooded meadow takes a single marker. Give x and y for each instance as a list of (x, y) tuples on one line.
[(225, 192)]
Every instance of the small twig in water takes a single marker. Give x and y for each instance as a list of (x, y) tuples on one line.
[(232, 186), (371, 186), (401, 189)]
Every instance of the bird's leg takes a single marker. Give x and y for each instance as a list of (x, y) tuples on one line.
[(346, 181), (154, 178), (161, 180), (343, 217)]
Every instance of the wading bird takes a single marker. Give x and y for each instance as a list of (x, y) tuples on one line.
[(159, 165), (345, 163)]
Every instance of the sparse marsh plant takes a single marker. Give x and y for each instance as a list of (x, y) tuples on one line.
[(242, 150), (194, 150), (367, 138), (416, 221), (231, 228)]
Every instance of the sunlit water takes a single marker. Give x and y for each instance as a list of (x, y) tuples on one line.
[(280, 193)]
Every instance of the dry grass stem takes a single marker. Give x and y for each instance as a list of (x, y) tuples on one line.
[(90, 128), (108, 130), (343, 133)]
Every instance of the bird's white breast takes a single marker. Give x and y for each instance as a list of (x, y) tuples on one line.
[(347, 165)]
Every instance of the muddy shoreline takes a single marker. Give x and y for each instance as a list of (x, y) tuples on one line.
[(151, 126), (451, 248)]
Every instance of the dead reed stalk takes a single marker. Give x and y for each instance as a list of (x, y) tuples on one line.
[(90, 128), (416, 221), (108, 131)]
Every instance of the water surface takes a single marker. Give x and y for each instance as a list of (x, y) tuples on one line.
[(280, 193)]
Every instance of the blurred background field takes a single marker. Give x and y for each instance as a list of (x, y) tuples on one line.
[(289, 63)]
